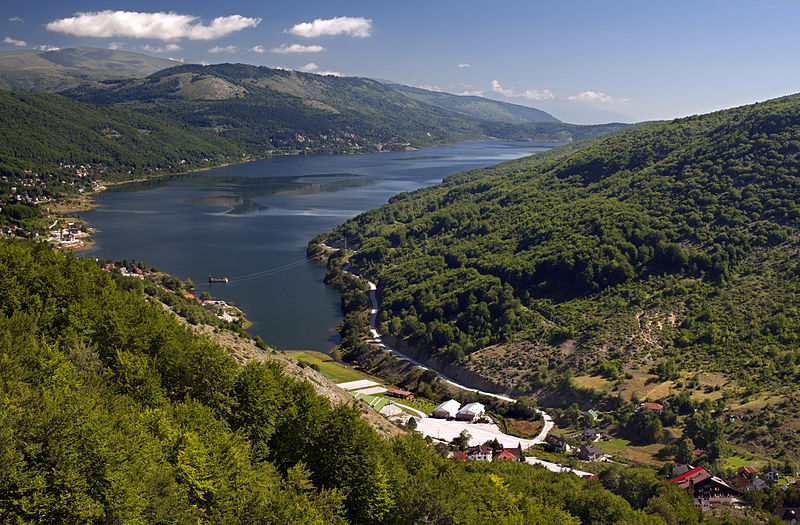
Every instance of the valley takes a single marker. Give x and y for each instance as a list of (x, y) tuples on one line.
[(284, 292)]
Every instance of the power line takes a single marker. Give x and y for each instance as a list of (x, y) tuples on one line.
[(269, 271)]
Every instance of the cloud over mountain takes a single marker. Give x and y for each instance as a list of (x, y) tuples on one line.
[(530, 94), (158, 26), (14, 42), (593, 96), (287, 49), (359, 27)]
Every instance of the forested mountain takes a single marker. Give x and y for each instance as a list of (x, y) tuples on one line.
[(39, 131), (671, 243), (113, 411), (53, 71), (476, 107), (267, 110)]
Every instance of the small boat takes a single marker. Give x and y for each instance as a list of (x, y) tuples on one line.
[(217, 279)]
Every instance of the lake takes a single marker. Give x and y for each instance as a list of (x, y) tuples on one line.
[(252, 222)]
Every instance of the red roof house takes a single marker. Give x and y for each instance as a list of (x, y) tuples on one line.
[(708, 491)]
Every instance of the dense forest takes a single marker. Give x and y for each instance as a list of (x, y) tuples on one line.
[(111, 410), (40, 131), (690, 226)]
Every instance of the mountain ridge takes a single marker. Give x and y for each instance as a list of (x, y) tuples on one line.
[(268, 110), (58, 70), (475, 106)]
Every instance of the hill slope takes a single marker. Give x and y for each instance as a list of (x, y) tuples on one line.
[(676, 241), (60, 130), (54, 71), (264, 110), (477, 107), (112, 411)]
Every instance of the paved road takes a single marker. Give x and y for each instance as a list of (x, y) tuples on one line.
[(548, 421)]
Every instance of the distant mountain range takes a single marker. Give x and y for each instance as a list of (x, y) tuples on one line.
[(266, 110), (476, 107), (54, 71), (259, 111)]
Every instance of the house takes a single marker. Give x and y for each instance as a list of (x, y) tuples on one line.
[(556, 444), (744, 476), (470, 412), (458, 455), (708, 491), (677, 470), (655, 407), (513, 454), (590, 453), (592, 414), (758, 484), (396, 392), (590, 434), (747, 472), (505, 454), (772, 474), (446, 410), (790, 514), (479, 453)]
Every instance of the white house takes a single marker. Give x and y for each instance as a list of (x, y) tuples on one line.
[(446, 410), (470, 411)]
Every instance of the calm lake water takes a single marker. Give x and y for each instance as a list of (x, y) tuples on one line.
[(252, 223)]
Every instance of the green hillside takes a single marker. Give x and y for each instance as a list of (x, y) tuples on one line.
[(113, 411), (667, 252), (264, 110), (39, 131), (53, 71), (477, 107)]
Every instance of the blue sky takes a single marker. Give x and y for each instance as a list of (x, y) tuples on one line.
[(582, 61)]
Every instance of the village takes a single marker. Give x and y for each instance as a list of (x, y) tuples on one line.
[(468, 433)]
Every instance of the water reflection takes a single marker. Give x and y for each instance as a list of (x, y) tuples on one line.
[(238, 194)]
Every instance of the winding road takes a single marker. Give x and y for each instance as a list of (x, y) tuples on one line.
[(373, 296)]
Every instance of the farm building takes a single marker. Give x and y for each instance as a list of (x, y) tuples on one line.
[(446, 410), (396, 392), (470, 412)]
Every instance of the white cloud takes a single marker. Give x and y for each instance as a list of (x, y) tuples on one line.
[(286, 49), (115, 45), (223, 49), (46, 47), (497, 88), (159, 26), (430, 87), (531, 94), (311, 66), (539, 94), (593, 96), (160, 49), (182, 60), (462, 66), (15, 19), (329, 73), (14, 41), (258, 49), (354, 26), (471, 93)]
